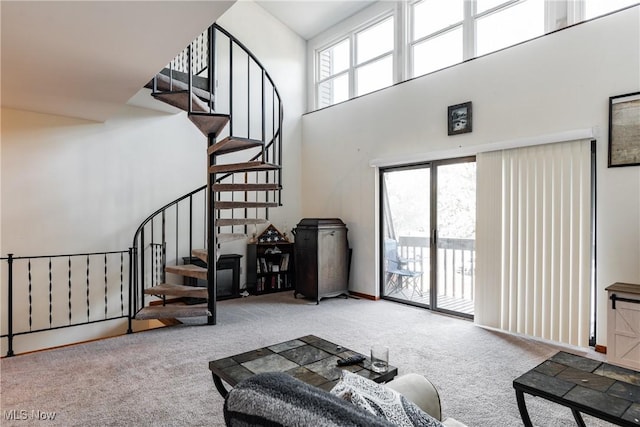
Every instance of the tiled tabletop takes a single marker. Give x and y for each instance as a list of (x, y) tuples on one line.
[(585, 385), (310, 359)]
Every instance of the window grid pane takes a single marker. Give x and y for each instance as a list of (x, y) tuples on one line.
[(437, 52), (333, 60), (375, 75), (333, 91), (430, 16), (374, 41), (510, 26)]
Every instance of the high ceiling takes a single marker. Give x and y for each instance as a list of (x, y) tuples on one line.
[(86, 59)]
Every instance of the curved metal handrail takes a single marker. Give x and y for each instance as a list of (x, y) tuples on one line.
[(251, 55), (159, 211)]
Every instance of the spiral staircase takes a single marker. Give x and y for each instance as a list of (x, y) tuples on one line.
[(229, 96)]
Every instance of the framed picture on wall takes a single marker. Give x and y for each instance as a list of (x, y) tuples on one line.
[(624, 130), (460, 118)]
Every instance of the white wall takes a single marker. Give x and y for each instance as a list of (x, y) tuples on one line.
[(74, 186), (70, 185), (558, 83)]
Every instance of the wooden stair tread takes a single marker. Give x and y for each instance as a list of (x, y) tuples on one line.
[(226, 222), (166, 84), (243, 167), (231, 144), (201, 254), (178, 96), (209, 124), (180, 99), (230, 237), (172, 311), (177, 290), (188, 270), (246, 187), (245, 205)]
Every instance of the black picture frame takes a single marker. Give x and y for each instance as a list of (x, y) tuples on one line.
[(624, 130), (460, 118)]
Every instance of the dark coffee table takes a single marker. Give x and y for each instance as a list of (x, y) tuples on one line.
[(309, 358), (584, 385)]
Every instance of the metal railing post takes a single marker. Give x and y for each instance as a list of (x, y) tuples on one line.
[(10, 306), (130, 316)]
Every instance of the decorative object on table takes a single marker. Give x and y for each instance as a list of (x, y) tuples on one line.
[(460, 118), (624, 130), (272, 235)]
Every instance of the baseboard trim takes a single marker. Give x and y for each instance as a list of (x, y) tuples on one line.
[(364, 296), (601, 349)]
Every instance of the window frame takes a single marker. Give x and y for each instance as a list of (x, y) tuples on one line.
[(351, 71), (391, 53), (319, 82)]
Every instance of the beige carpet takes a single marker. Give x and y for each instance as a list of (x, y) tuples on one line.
[(161, 377)]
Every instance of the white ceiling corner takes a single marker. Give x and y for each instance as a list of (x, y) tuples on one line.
[(308, 18)]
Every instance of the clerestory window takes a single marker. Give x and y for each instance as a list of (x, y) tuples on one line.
[(333, 74), (411, 38), (506, 24), (436, 35), (360, 63)]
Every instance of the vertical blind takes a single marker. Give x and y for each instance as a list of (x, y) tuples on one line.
[(533, 242)]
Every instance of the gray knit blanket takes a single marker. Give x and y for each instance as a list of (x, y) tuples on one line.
[(277, 399)]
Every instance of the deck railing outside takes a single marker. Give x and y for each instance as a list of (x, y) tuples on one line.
[(456, 264)]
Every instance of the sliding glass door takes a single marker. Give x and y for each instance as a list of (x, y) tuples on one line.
[(406, 219), (428, 234), (455, 236)]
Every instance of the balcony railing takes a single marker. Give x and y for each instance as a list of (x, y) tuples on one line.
[(455, 270)]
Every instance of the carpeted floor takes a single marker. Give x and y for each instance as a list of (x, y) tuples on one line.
[(161, 377)]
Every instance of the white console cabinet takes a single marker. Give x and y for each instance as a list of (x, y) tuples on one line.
[(623, 325)]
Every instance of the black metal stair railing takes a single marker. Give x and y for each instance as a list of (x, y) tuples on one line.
[(221, 72), (171, 232)]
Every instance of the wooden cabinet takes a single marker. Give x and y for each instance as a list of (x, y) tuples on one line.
[(623, 325), (270, 267), (321, 258)]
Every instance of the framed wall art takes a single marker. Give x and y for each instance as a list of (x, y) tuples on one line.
[(460, 118), (624, 130)]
